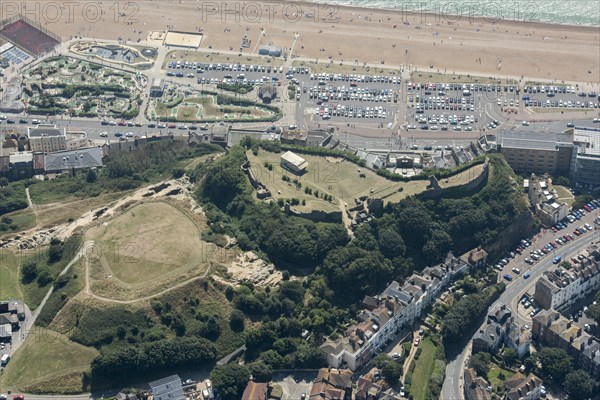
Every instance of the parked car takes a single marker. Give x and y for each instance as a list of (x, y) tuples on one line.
[(526, 275), (507, 277)]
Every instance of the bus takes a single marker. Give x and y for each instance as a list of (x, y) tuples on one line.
[(4, 360)]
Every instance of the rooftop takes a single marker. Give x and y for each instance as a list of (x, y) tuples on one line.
[(168, 388), (81, 158), (44, 130), (588, 142), (533, 141), (294, 159)]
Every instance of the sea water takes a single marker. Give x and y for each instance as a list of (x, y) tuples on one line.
[(567, 12)]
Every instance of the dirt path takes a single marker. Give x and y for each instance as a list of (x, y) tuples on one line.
[(32, 207), (409, 358), (345, 219)]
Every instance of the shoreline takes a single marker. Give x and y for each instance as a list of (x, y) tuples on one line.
[(450, 16), (537, 51)]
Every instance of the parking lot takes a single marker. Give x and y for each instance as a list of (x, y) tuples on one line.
[(351, 98), (339, 97), (562, 97), (450, 106)]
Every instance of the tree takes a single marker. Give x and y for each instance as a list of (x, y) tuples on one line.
[(55, 252), (391, 243), (29, 272), (480, 362), (236, 320), (260, 371), (593, 312), (509, 356), (579, 385), (178, 173), (556, 363), (230, 379), (121, 331), (44, 278), (391, 372), (562, 181), (91, 176)]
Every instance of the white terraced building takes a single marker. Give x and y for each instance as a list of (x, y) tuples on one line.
[(562, 288), (385, 315)]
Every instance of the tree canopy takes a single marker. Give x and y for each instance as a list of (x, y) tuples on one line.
[(579, 385), (480, 362)]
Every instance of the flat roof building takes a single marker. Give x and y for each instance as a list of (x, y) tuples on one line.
[(293, 163), (528, 152), (586, 168), (158, 87)]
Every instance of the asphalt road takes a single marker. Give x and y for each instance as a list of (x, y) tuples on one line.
[(452, 389)]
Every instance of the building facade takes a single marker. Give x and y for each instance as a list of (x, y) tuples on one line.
[(500, 328), (585, 169), (537, 153), (46, 139), (561, 288), (385, 315), (551, 329), (545, 201)]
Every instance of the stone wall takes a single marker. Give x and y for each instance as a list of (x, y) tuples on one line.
[(315, 215), (434, 190)]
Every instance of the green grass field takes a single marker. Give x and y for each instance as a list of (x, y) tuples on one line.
[(340, 179), (494, 376), (423, 369), (564, 195), (48, 361), (148, 242), (333, 176), (9, 275)]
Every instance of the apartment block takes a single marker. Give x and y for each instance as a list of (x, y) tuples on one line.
[(561, 288)]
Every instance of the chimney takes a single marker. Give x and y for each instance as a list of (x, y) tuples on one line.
[(578, 332), (582, 347), (571, 338), (590, 340), (569, 324), (548, 323)]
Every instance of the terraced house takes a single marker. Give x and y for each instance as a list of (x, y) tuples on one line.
[(386, 315), (550, 328), (561, 288)]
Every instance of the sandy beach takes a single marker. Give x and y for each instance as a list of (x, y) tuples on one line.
[(426, 42)]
